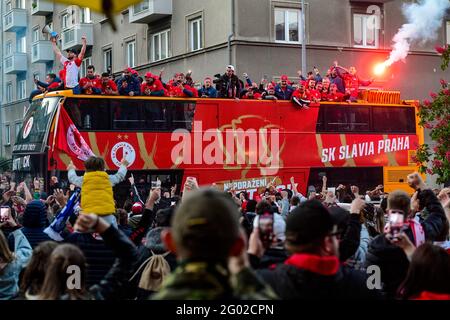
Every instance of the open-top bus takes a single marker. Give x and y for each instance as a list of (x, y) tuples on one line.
[(235, 144)]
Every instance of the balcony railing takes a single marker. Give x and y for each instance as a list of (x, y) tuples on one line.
[(41, 51), (150, 10), (71, 37), (15, 20), (41, 8), (15, 63)]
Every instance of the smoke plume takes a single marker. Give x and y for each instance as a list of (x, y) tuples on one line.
[(423, 21)]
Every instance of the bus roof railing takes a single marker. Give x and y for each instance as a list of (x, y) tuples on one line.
[(367, 98)]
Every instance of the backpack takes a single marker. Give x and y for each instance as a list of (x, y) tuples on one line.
[(156, 270)]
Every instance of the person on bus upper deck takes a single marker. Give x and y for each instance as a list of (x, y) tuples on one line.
[(108, 87), (335, 95), (300, 97), (352, 81), (52, 82), (325, 88), (230, 86), (90, 84), (270, 93), (152, 86), (316, 75), (283, 91), (96, 187), (181, 90), (337, 80), (128, 84), (207, 91), (314, 95), (71, 65), (252, 94)]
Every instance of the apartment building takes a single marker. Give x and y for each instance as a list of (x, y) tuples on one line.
[(260, 37)]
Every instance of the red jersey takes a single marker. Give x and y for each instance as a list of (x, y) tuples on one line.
[(111, 85), (337, 97), (176, 91), (315, 97), (95, 83), (146, 89)]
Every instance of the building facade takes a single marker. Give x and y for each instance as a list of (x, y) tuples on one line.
[(259, 37)]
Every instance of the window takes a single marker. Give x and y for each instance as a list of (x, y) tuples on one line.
[(83, 69), (370, 119), (17, 128), (287, 25), (36, 34), (130, 54), (141, 7), (130, 115), (8, 48), (7, 134), (161, 46), (21, 89), (448, 32), (195, 34), (107, 60), (364, 33), (85, 15), (65, 21), (22, 44), (9, 92), (20, 4), (394, 120)]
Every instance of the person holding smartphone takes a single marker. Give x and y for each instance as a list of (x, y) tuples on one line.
[(384, 251), (12, 261)]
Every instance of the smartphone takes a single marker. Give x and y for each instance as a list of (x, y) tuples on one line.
[(332, 190), (396, 222), (4, 213), (322, 174), (266, 226)]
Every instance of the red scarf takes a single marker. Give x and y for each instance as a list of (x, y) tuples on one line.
[(326, 266)]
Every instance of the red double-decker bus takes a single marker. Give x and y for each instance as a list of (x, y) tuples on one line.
[(235, 144)]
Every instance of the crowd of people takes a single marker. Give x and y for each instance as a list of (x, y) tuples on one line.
[(206, 243), (338, 85)]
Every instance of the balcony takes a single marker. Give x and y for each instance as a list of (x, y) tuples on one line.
[(41, 8), (15, 20), (71, 37), (42, 52), (150, 10), (15, 63)]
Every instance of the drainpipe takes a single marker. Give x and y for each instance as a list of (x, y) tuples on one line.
[(233, 27)]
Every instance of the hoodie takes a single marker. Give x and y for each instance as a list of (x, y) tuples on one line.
[(34, 222), (9, 273)]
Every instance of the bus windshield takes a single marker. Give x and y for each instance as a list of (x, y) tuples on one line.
[(31, 137)]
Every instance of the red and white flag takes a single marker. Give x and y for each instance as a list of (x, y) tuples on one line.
[(69, 139)]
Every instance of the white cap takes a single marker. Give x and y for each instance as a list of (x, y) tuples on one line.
[(230, 67)]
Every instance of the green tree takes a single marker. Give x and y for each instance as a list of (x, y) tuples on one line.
[(435, 116)]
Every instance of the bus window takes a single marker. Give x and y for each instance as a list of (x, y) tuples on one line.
[(89, 114), (154, 115), (181, 115), (344, 119), (36, 122), (126, 114), (394, 120)]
